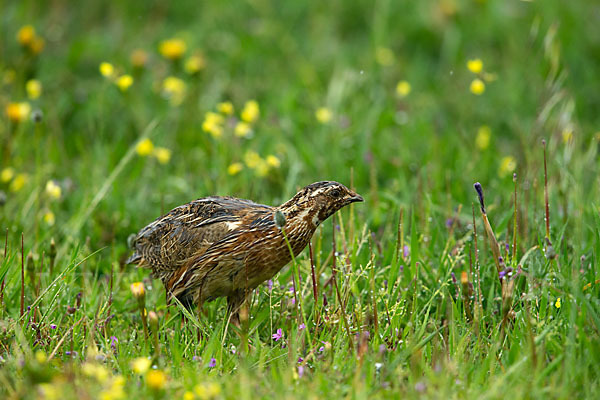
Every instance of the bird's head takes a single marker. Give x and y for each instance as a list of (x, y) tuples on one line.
[(319, 200)]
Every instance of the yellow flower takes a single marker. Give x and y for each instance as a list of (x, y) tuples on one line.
[(188, 395), (162, 154), (323, 115), (242, 129), (37, 45), (252, 159), (567, 135), (124, 82), (262, 169), (50, 391), (557, 304), (484, 134), (206, 391), (140, 365), (106, 69), (138, 58), (225, 108), (156, 379), (251, 111), (384, 56), (144, 147), (26, 35), (40, 356), (475, 65), (172, 49), (194, 64), (235, 168), (507, 166), (477, 86), (18, 182), (18, 112), (33, 88), (53, 190), (273, 161), (49, 218), (213, 124), (174, 89), (7, 174), (137, 288), (403, 88)]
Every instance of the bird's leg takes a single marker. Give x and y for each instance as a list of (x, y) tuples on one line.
[(234, 304)]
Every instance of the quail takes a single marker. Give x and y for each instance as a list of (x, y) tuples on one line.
[(225, 247)]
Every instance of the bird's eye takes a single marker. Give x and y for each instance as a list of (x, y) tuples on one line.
[(336, 193)]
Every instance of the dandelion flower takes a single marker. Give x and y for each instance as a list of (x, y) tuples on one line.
[(507, 166), (477, 86), (482, 141), (323, 115), (557, 303), (7, 174), (475, 65), (106, 69), (18, 112), (403, 88), (384, 56), (262, 169), (173, 49), (225, 107), (188, 395), (53, 190), (49, 218), (252, 159), (213, 124), (140, 365), (144, 147), (273, 161), (37, 45), (138, 290), (18, 182), (26, 35), (40, 356), (194, 64), (124, 82), (242, 129), (162, 154), (251, 111), (174, 89), (138, 58), (33, 88), (156, 379), (235, 168)]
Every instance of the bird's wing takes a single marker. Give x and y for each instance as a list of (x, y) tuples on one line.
[(187, 231)]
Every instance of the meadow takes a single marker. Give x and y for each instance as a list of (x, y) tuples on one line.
[(112, 113)]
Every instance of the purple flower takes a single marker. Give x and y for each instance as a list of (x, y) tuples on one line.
[(277, 335), (52, 326), (300, 359), (406, 251), (270, 284), (196, 358), (212, 363), (301, 327), (453, 277), (113, 342), (300, 371), (449, 222), (505, 272)]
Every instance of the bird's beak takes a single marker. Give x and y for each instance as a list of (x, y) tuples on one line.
[(356, 198)]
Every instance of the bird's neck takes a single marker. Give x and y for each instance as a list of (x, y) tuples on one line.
[(300, 224)]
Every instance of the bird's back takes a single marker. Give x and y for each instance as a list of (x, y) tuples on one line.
[(188, 231)]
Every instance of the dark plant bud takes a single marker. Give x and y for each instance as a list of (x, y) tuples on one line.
[(279, 219), (37, 116), (479, 191)]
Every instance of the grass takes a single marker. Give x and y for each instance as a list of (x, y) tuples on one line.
[(408, 300)]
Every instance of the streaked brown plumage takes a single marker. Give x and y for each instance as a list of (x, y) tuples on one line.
[(224, 246)]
